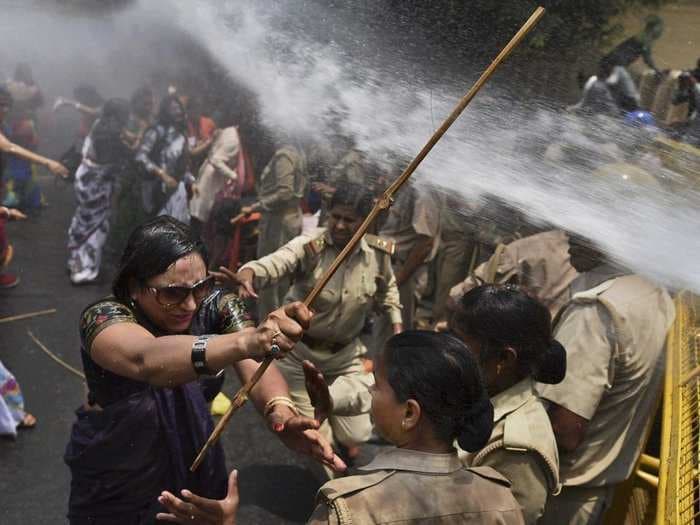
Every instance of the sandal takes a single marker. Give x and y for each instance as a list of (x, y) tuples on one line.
[(28, 422)]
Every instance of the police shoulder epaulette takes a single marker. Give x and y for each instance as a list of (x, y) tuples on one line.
[(315, 246), (380, 244)]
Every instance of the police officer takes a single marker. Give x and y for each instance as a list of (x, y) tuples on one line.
[(332, 342), (280, 189), (511, 335), (614, 329)]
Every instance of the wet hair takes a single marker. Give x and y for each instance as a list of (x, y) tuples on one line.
[(151, 249), (87, 95), (106, 133), (653, 22), (501, 316), (442, 375), (357, 197), (164, 116), (139, 98)]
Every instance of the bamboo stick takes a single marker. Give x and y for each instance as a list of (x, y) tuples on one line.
[(384, 203), (27, 315)]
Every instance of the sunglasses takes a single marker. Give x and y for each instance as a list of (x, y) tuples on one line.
[(173, 295)]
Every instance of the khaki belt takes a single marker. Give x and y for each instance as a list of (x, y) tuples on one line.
[(323, 346)]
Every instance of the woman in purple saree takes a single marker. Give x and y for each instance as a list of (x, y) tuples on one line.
[(151, 353)]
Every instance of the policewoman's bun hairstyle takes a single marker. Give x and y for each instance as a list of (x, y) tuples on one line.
[(442, 375), (505, 316)]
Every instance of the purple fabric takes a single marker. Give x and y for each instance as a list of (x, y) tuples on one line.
[(122, 457)]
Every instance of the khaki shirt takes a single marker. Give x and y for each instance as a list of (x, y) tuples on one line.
[(282, 182), (614, 330), (539, 263), (351, 168), (365, 278), (407, 486), (523, 448), (413, 214)]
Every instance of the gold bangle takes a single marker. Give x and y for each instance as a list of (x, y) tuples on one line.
[(280, 400)]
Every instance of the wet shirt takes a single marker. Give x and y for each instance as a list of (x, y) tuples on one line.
[(539, 263), (614, 330), (220, 313), (413, 215), (523, 448), (364, 279), (407, 486), (629, 51), (165, 148), (282, 182)]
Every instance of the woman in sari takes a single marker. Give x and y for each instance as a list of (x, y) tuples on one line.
[(143, 351), (164, 157), (104, 155)]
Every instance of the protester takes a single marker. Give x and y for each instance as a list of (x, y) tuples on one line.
[(429, 392), (164, 157), (143, 350), (510, 334), (104, 157), (9, 149)]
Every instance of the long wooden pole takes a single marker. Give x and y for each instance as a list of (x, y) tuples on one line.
[(383, 204)]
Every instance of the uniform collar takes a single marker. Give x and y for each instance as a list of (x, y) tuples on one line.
[(512, 398), (414, 461), (364, 247)]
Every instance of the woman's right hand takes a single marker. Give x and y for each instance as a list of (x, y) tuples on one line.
[(57, 169), (283, 327), (169, 181)]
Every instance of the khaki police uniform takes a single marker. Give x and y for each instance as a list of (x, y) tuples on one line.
[(614, 330), (454, 253), (539, 263), (280, 189), (412, 215), (406, 486), (522, 447), (332, 342)]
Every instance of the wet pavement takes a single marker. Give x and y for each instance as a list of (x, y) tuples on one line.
[(34, 482)]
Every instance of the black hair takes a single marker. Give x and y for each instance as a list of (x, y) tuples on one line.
[(164, 116), (357, 197), (501, 316), (442, 375), (106, 133), (139, 98), (151, 249), (87, 95)]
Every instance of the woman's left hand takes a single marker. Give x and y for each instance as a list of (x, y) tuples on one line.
[(193, 509), (301, 434)]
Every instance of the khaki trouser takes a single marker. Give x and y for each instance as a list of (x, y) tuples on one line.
[(276, 229), (577, 506), (349, 385)]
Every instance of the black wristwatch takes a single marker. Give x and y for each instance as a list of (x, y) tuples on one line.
[(199, 355)]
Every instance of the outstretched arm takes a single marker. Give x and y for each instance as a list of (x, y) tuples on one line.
[(13, 149)]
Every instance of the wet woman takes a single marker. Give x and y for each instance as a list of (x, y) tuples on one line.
[(511, 335), (143, 351), (428, 393), (104, 156), (164, 157)]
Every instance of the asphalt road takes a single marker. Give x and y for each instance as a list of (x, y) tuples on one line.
[(34, 482)]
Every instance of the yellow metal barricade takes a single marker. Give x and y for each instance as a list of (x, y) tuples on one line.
[(678, 495)]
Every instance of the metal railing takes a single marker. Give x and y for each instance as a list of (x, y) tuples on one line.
[(679, 476)]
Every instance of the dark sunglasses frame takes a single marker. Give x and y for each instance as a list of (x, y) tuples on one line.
[(205, 284)]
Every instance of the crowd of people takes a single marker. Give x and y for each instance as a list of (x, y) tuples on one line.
[(509, 369)]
